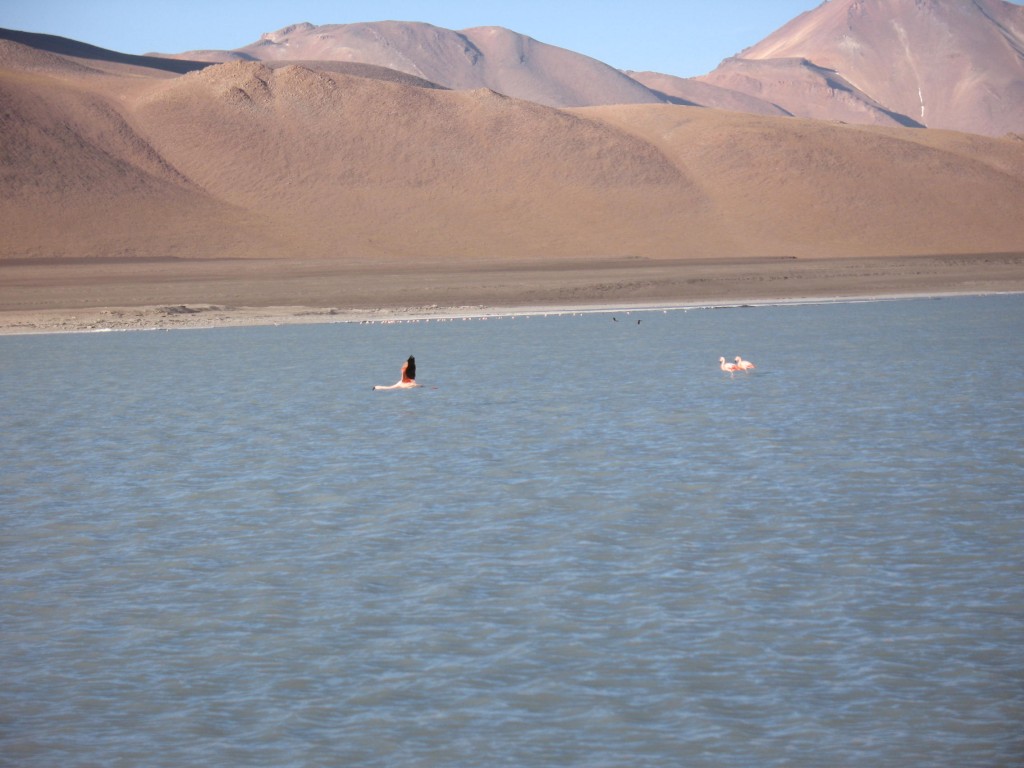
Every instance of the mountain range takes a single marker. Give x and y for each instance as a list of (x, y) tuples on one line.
[(956, 64), (405, 144)]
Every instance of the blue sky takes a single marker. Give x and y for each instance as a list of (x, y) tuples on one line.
[(678, 37)]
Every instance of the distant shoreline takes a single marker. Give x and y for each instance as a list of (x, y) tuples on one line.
[(67, 297), (153, 318)]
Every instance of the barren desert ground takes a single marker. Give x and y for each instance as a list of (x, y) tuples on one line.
[(54, 296)]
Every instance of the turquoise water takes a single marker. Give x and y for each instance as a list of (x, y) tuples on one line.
[(579, 543)]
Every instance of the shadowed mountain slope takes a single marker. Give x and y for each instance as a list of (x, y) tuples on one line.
[(67, 47), (804, 89)]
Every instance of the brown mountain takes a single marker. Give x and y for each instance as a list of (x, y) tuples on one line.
[(937, 63), (243, 160), (483, 57)]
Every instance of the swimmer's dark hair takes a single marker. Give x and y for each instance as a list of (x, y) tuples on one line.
[(410, 368)]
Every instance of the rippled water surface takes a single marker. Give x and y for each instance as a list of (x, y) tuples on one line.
[(580, 543)]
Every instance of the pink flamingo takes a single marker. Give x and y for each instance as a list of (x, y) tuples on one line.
[(729, 368), (744, 365), (408, 380)]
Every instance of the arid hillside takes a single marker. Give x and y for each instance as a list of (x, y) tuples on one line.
[(812, 188), (244, 160)]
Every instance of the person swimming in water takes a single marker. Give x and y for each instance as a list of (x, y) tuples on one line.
[(408, 380)]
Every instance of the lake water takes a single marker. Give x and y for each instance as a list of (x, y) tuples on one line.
[(579, 543)]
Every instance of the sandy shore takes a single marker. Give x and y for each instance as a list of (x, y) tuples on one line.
[(42, 296)]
